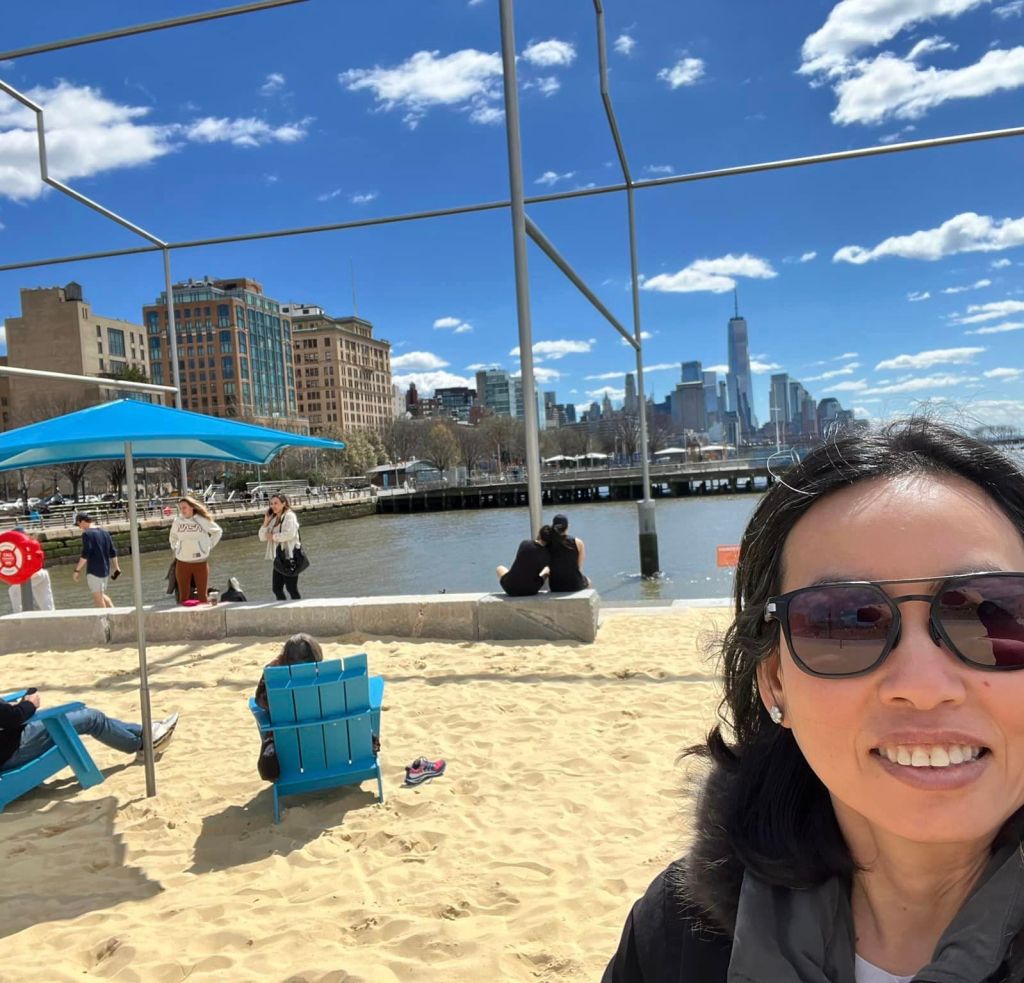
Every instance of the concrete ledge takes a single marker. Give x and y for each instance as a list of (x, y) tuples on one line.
[(466, 617), (546, 616)]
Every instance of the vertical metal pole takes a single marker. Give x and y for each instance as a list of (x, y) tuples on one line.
[(172, 333), (140, 621), (645, 507), (515, 180)]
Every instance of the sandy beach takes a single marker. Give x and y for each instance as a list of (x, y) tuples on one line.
[(561, 801)]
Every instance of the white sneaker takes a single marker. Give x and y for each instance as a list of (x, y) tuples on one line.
[(163, 731)]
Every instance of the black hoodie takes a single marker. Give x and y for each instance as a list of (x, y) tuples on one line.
[(13, 717)]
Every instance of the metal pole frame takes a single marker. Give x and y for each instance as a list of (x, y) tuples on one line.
[(515, 179)]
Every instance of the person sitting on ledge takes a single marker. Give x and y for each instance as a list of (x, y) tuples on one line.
[(565, 558), (23, 739), (526, 575)]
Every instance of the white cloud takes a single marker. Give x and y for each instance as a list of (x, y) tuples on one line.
[(913, 385), (625, 44), (273, 84), (546, 85), (482, 366), (1007, 374), (550, 178), (917, 295), (659, 169), (686, 71), (761, 368), (848, 387), (712, 275), (86, 134), (846, 355), (853, 25), (718, 369), (999, 328), (1015, 8), (244, 132), (557, 349), (834, 373), (454, 324), (925, 360), (270, 179), (807, 257), (329, 195), (977, 285), (363, 197), (541, 373), (419, 362), (644, 336), (601, 376), (873, 87), (1001, 264), (893, 87), (967, 232), (610, 391), (467, 80), (427, 382), (927, 46), (977, 313), (550, 53)]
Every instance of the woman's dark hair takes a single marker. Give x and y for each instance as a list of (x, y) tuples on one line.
[(555, 534), (775, 810), (299, 648), (284, 501)]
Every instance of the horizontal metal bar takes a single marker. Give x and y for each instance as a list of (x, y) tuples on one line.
[(124, 32), (773, 165), (150, 387), (556, 257)]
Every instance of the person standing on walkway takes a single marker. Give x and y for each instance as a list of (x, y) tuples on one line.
[(193, 535), (565, 558), (280, 531), (98, 559)]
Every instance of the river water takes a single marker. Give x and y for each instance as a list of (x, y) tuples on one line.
[(458, 551)]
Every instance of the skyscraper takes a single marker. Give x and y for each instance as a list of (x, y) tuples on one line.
[(779, 409), (741, 392), (692, 372), (630, 404)]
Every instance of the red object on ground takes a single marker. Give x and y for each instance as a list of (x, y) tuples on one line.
[(20, 557), (728, 556)]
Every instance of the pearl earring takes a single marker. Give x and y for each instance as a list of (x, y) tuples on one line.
[(776, 714)]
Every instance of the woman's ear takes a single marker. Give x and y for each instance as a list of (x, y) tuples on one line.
[(770, 685)]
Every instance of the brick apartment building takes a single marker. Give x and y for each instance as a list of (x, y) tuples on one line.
[(58, 331), (234, 350), (342, 373)]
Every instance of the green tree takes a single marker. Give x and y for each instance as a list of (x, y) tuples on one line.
[(442, 447)]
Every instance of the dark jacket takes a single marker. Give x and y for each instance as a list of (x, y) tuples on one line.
[(13, 717), (682, 929)]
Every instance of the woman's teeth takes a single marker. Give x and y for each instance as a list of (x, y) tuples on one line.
[(930, 756)]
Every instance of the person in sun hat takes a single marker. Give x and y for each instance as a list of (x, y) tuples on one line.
[(861, 815)]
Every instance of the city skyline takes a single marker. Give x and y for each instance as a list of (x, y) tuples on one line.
[(910, 265)]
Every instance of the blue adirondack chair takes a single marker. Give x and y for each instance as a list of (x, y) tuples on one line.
[(323, 716), (68, 752)]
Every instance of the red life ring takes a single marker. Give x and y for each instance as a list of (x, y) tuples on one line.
[(21, 557)]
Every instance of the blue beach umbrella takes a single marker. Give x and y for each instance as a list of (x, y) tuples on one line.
[(137, 431)]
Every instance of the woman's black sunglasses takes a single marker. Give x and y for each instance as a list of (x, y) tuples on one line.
[(848, 629)]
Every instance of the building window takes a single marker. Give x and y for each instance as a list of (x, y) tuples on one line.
[(227, 370), (156, 373), (115, 339), (99, 347), (225, 343)]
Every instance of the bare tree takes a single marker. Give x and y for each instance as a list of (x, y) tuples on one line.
[(75, 472), (116, 472), (499, 437), (442, 447), (627, 432), (403, 440), (472, 445)]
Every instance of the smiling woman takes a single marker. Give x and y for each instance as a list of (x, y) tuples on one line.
[(861, 820)]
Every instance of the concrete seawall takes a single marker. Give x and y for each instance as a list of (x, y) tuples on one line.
[(65, 545), (462, 617)]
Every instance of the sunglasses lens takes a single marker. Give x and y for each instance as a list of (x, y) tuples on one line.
[(840, 630), (984, 619)]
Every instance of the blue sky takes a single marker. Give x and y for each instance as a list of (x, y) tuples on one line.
[(881, 282)]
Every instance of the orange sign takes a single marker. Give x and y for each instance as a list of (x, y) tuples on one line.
[(728, 556)]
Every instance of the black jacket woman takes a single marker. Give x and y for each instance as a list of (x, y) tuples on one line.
[(280, 531), (565, 557), (861, 819)]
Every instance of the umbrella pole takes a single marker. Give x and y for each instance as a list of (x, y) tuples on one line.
[(140, 622)]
